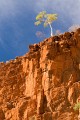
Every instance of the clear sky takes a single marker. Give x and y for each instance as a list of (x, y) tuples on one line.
[(17, 17)]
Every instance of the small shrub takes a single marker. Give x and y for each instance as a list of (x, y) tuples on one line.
[(77, 106)]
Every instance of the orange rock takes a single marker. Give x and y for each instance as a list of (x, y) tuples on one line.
[(44, 84)]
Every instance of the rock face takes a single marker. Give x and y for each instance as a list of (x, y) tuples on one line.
[(44, 84)]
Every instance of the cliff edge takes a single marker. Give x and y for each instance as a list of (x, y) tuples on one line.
[(44, 84)]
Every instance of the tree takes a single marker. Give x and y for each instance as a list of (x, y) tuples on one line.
[(47, 19)]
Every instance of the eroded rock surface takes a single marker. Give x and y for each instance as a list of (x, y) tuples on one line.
[(44, 84)]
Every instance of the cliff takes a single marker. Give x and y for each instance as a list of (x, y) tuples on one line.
[(44, 84)]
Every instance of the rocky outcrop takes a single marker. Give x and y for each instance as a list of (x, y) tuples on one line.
[(44, 84)]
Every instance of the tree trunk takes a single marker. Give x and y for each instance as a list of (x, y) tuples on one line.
[(51, 29)]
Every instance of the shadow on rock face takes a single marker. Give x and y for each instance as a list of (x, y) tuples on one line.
[(2, 116)]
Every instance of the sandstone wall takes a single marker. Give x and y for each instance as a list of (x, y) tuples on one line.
[(44, 84)]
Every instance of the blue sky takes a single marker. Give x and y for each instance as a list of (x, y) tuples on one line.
[(17, 17)]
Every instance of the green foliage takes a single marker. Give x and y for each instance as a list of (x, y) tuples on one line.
[(41, 16), (45, 18), (37, 23), (51, 17), (77, 106)]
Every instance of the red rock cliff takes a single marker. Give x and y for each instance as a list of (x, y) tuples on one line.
[(44, 84)]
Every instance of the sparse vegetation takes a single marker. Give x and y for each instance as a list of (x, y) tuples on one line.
[(32, 118), (77, 106), (47, 19)]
